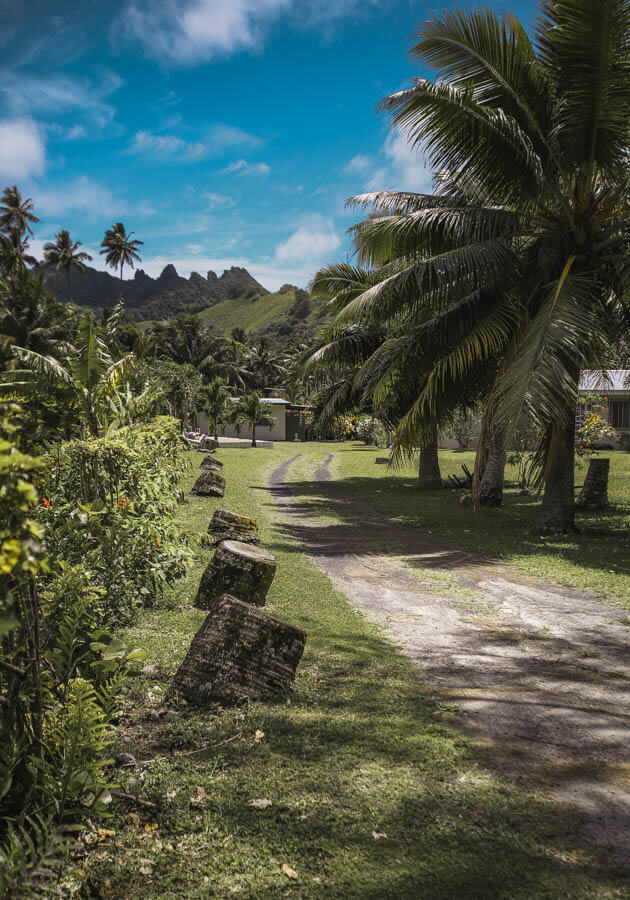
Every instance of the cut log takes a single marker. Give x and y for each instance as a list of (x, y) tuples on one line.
[(594, 493), (212, 463), (238, 569), (229, 526), (239, 653), (209, 484)]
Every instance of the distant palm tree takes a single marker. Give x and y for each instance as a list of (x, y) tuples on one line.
[(30, 317), (216, 398), (251, 410), (16, 214), (120, 249), (64, 254), (13, 255)]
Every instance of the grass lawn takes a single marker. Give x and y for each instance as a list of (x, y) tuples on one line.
[(374, 792), (597, 560)]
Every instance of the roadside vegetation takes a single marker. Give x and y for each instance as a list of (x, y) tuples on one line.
[(359, 783)]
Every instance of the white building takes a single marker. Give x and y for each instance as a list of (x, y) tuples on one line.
[(288, 422), (614, 385)]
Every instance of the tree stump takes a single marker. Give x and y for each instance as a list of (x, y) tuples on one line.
[(594, 493), (208, 443), (209, 484), (211, 462), (238, 569), (239, 653), (229, 526), (381, 460)]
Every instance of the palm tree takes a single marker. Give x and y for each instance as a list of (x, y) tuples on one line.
[(251, 410), (13, 253), (216, 398), (30, 317), (64, 254), (119, 249), (16, 214), (265, 364), (527, 235)]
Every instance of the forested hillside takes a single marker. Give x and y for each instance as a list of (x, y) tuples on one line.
[(154, 298)]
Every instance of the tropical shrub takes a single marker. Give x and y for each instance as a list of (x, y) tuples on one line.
[(107, 505)]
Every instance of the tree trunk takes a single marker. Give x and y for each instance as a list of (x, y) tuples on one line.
[(209, 484), (594, 494), (238, 569), (557, 513), (489, 491), (230, 526), (69, 286), (240, 653), (429, 477), (121, 280), (253, 434)]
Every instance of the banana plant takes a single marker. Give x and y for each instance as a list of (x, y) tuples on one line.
[(93, 376)]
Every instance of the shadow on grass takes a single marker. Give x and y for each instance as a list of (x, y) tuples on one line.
[(486, 535)]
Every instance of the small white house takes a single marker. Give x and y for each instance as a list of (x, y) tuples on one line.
[(613, 385), (288, 422)]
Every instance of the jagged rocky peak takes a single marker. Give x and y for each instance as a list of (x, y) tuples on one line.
[(141, 275), (212, 276), (169, 272), (196, 278)]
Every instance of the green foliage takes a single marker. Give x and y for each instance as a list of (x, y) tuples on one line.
[(31, 858), (109, 507)]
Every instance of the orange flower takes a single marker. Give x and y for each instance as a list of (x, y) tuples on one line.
[(157, 542), (46, 502), (131, 474)]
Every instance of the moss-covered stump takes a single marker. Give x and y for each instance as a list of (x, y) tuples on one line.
[(209, 484), (230, 526), (210, 461), (239, 569), (239, 653), (594, 493)]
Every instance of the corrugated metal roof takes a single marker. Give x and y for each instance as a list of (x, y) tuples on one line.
[(610, 380)]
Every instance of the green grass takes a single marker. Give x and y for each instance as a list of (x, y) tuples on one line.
[(257, 312), (596, 560), (358, 749)]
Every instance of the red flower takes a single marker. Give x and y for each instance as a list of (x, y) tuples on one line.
[(46, 502)]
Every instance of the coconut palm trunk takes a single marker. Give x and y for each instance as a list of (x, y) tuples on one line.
[(253, 434), (429, 477), (69, 284), (489, 488), (121, 277), (558, 507)]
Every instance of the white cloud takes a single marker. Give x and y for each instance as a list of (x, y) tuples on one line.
[(221, 201), (22, 149), (188, 32), (241, 167), (359, 163), (167, 146), (82, 195), (59, 94), (313, 241), (403, 167)]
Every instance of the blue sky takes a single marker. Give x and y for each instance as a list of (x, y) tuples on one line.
[(222, 132)]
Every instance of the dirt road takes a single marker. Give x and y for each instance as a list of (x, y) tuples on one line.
[(540, 673)]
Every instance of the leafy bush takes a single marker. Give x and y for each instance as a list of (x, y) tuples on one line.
[(107, 505), (371, 431), (104, 542)]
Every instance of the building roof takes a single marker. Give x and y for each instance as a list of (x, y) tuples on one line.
[(611, 381), (275, 401)]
